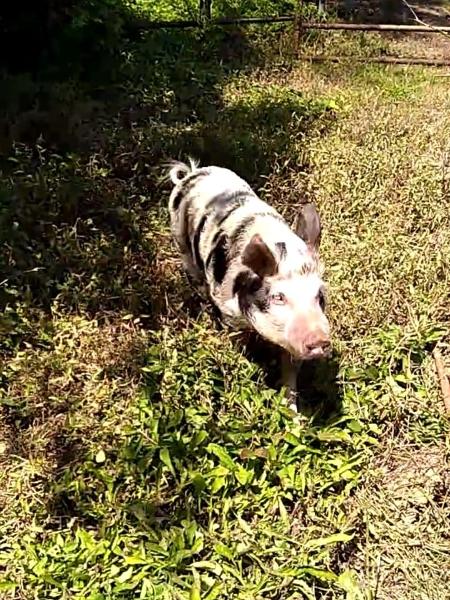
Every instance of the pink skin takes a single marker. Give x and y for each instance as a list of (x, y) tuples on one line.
[(308, 335), (297, 302)]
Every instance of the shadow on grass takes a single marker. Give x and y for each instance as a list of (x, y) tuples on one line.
[(82, 211), (76, 186), (320, 394), (319, 389)]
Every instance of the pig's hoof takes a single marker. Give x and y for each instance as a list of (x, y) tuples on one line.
[(293, 406), (291, 400), (298, 420), (297, 425)]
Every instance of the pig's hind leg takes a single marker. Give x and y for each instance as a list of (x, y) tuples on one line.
[(194, 276)]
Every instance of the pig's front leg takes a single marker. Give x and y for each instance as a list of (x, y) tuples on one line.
[(289, 373)]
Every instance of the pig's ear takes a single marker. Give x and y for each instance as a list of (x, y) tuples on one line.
[(259, 258), (308, 225)]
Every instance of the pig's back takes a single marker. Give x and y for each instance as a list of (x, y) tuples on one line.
[(214, 214)]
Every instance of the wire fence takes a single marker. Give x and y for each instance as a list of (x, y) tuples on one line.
[(364, 15), (309, 15), (382, 11)]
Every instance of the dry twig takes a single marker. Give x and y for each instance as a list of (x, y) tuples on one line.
[(443, 379), (421, 22), (388, 60)]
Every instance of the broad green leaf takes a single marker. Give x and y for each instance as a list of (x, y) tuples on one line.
[(209, 565), (334, 435), (219, 471), (244, 525), (214, 592), (327, 541), (198, 438), (348, 582), (222, 455), (224, 551), (243, 475), (283, 512), (218, 484), (196, 587), (199, 482), (164, 455), (290, 438), (135, 560), (355, 426), (125, 576)]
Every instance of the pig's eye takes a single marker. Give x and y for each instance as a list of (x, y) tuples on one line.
[(321, 299), (278, 298)]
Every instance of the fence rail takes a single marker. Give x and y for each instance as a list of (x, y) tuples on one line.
[(205, 20), (144, 24)]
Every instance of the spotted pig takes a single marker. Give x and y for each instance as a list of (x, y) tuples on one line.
[(259, 273)]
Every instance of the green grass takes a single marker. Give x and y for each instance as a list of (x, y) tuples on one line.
[(143, 452), (171, 9)]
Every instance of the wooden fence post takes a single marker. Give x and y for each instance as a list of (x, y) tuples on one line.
[(205, 10), (321, 5), (298, 26)]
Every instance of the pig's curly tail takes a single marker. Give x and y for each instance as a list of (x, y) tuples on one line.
[(179, 170)]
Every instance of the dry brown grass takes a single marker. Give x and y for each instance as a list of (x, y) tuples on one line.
[(405, 508), (382, 183)]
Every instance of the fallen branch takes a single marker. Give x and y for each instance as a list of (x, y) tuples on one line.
[(421, 22), (376, 27), (388, 60), (443, 379)]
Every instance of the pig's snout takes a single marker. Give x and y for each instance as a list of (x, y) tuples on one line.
[(309, 340), (318, 346)]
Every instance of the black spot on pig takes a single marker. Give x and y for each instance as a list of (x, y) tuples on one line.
[(282, 250), (262, 299), (219, 258), (186, 186), (177, 199), (252, 292), (240, 230), (196, 242), (228, 204), (322, 299), (245, 285)]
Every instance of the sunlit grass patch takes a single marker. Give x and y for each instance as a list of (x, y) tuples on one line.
[(196, 479)]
